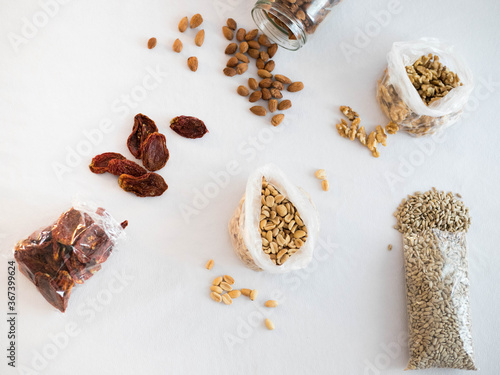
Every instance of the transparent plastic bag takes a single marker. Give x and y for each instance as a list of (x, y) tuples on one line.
[(437, 291), (68, 252), (401, 102), (244, 225)]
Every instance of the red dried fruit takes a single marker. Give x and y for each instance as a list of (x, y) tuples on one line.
[(69, 226), (143, 126), (93, 244), (55, 290), (79, 272), (188, 127), (100, 163), (118, 167), (124, 224), (154, 152), (148, 185)]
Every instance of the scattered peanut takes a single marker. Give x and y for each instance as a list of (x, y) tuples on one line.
[(209, 264)]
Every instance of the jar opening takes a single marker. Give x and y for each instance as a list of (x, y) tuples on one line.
[(279, 25)]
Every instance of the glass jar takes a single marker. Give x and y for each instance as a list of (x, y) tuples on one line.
[(290, 23)]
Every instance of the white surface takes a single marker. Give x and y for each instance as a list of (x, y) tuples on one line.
[(344, 313)]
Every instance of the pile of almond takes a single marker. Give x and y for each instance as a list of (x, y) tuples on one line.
[(354, 131), (184, 23), (266, 86)]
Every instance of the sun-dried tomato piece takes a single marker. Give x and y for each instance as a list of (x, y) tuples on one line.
[(124, 224), (69, 226), (100, 162), (143, 126), (79, 271), (55, 290), (93, 244), (32, 259), (154, 152), (118, 167), (148, 185), (188, 127)]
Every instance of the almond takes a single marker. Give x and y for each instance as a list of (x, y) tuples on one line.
[(243, 47), (232, 62), (273, 105), (285, 104), (264, 73), (152, 43), (243, 91), (193, 63), (265, 83), (253, 44), (183, 24), (256, 95), (254, 53), (231, 48), (241, 68), (295, 86), (272, 50), (177, 47), (259, 111), (230, 72), (252, 83), (278, 85), (199, 38), (264, 55), (228, 33), (283, 79), (240, 35), (266, 94), (276, 93), (196, 21), (251, 35), (264, 41), (260, 63), (277, 119), (231, 24), (242, 57), (270, 66)]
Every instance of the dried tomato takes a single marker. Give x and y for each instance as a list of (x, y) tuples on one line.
[(55, 290), (143, 126), (148, 185), (154, 152), (188, 127), (69, 226), (100, 163), (118, 167)]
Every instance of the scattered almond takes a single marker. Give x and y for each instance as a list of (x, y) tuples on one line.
[(196, 21), (177, 47), (266, 94), (271, 51), (273, 105), (232, 62), (255, 96), (200, 38), (253, 44), (276, 93), (240, 35), (152, 43), (228, 33), (270, 65), (271, 303), (251, 35), (231, 48), (277, 119), (278, 85), (265, 83), (242, 57), (193, 63), (243, 47), (252, 83), (209, 264), (253, 53), (264, 56), (230, 72), (183, 24), (242, 90), (283, 79), (284, 104), (241, 68), (264, 41), (295, 86), (258, 110), (260, 64), (264, 73), (231, 24)]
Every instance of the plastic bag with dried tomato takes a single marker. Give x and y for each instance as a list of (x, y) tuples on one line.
[(68, 252), (245, 229)]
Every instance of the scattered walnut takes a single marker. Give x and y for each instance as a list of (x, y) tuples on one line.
[(392, 128), (348, 112)]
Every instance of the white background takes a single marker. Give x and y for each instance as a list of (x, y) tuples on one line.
[(346, 313)]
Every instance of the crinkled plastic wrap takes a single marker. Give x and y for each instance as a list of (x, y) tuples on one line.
[(401, 102), (437, 291), (244, 225), (68, 252)]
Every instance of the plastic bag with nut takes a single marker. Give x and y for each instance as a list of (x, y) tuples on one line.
[(437, 291), (439, 91), (68, 252), (276, 225)]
